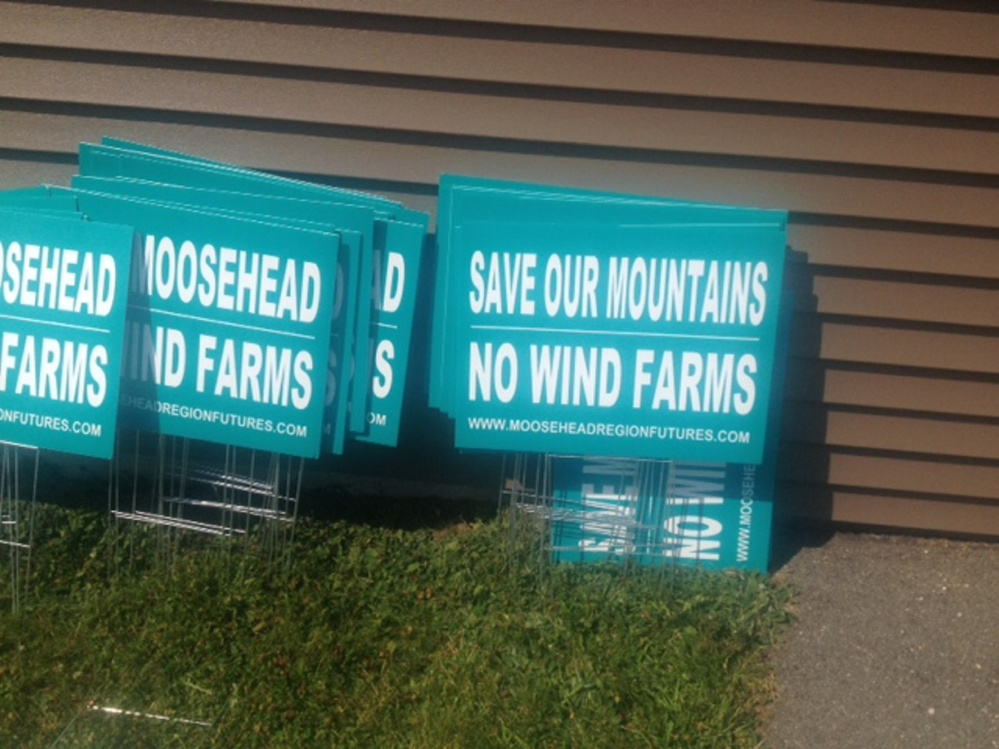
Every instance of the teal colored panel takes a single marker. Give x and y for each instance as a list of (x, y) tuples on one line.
[(228, 326), (466, 199), (292, 198), (63, 296), (644, 342), (708, 515), (392, 329), (111, 145), (355, 227), (37, 199)]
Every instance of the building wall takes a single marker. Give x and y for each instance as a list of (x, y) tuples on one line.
[(875, 125)]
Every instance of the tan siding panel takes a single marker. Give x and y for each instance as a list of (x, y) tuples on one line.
[(886, 249), (898, 347), (922, 514), (23, 170), (511, 61), (820, 425), (821, 465), (533, 119), (929, 31), (933, 303), (420, 163), (814, 380), (829, 245)]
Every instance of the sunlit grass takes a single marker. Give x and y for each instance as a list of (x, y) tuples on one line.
[(373, 637)]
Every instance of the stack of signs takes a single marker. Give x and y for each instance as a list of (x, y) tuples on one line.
[(262, 312), (63, 286), (711, 514), (590, 324)]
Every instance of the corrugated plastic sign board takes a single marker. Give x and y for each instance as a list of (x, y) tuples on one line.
[(364, 421), (285, 213), (709, 515), (63, 283), (642, 342), (469, 199), (717, 515), (398, 268), (306, 201), (228, 326)]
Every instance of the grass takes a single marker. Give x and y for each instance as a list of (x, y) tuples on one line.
[(455, 637)]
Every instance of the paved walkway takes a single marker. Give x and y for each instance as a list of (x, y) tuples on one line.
[(896, 645)]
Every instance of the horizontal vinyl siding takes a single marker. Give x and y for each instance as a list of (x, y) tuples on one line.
[(552, 57), (877, 126), (847, 384), (858, 26)]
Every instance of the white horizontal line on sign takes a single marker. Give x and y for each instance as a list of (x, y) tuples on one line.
[(212, 321), (56, 324), (524, 329), (387, 325)]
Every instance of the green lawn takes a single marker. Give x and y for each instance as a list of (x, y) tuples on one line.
[(456, 637)]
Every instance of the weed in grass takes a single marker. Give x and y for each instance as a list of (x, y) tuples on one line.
[(375, 637)]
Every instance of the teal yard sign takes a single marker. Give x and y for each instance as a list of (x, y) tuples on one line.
[(661, 346), (378, 260), (713, 515), (228, 326), (251, 310), (397, 274), (63, 287), (592, 325), (637, 343), (613, 334)]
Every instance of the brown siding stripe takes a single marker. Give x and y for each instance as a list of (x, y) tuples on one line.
[(933, 303), (655, 123), (895, 346), (929, 31), (820, 465), (25, 170), (907, 251), (809, 422), (899, 512), (809, 379), (531, 63), (423, 163)]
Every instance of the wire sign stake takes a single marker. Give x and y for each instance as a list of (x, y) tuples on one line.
[(596, 509), (179, 485), (18, 467)]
